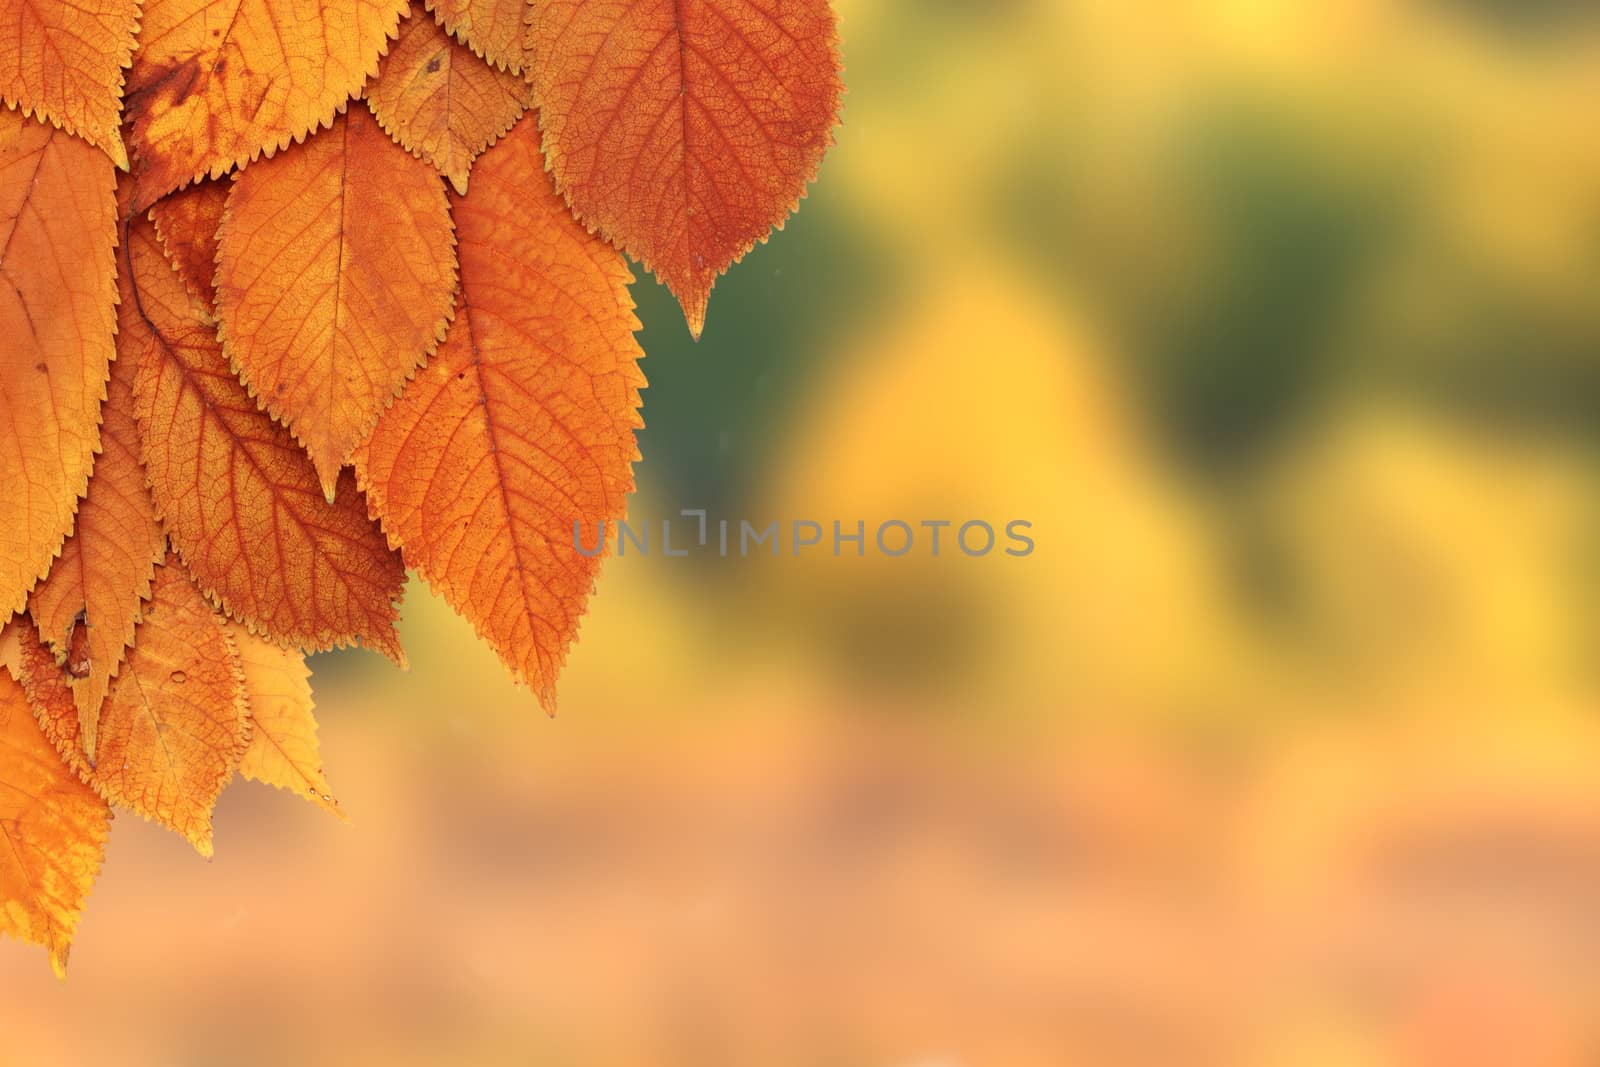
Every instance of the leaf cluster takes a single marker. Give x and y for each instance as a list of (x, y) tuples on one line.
[(299, 295)]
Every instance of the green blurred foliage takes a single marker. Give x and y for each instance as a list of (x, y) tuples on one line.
[(715, 408)]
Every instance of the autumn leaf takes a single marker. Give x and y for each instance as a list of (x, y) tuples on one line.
[(174, 725), (63, 62), (494, 29), (284, 751), (441, 102), (58, 318), (685, 130), (523, 422), (239, 499), (186, 224), (10, 651), (217, 83), (336, 277), (85, 610), (54, 828), (284, 287)]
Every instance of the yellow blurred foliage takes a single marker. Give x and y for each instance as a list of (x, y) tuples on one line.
[(1285, 758), (984, 400)]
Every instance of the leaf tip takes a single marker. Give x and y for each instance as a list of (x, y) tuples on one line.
[(387, 645), (327, 802), (694, 311)]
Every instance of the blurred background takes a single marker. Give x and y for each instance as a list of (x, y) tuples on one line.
[(1281, 324)]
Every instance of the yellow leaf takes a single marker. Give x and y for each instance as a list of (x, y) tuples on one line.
[(54, 829), (86, 609), (58, 320), (173, 726), (283, 751), (216, 83), (494, 29), (63, 61), (441, 102), (336, 277)]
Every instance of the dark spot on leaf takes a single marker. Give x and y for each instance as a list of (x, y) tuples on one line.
[(184, 80), (177, 79), (77, 663)]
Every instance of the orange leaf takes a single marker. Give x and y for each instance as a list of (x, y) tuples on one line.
[(283, 751), (216, 83), (174, 724), (523, 422), (336, 277), (58, 319), (494, 29), (54, 828), (240, 501), (86, 609), (685, 129), (10, 651), (441, 102), (186, 224), (63, 61)]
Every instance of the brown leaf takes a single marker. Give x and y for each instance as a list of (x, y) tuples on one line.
[(685, 130), (522, 424), (240, 500), (186, 223)]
